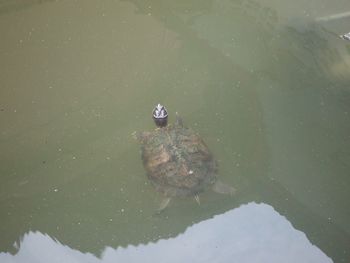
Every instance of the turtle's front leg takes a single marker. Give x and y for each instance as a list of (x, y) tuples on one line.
[(140, 136)]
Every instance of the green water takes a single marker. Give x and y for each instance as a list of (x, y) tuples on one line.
[(265, 83)]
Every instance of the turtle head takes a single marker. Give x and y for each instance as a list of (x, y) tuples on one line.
[(160, 116)]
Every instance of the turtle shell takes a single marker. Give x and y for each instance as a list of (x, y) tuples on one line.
[(177, 161)]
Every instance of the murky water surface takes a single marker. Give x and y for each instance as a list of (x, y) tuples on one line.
[(265, 83)]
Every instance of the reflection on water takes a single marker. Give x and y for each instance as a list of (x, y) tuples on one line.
[(251, 233)]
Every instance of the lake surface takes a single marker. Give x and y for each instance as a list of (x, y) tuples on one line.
[(265, 83)]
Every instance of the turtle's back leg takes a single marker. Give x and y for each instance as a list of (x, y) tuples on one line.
[(221, 188), (164, 204)]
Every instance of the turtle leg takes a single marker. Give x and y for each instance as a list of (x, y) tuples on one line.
[(221, 188), (196, 197), (164, 204)]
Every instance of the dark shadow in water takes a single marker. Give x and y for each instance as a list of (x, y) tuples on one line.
[(10, 6), (321, 100)]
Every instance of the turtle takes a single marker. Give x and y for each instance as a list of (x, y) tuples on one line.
[(177, 160)]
